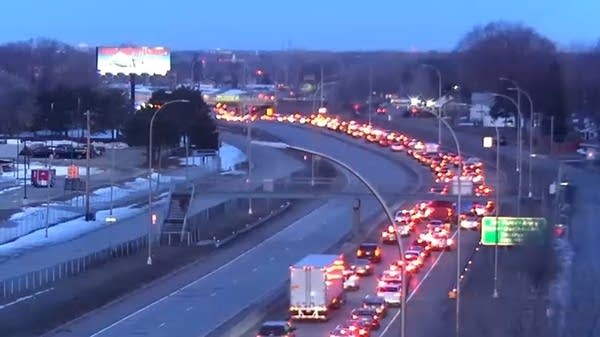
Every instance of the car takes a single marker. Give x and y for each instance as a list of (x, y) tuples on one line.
[(362, 267), (397, 147), (403, 215), (437, 224), (364, 328), (443, 190), (440, 241), (276, 329), (414, 260), (377, 303), (369, 251), (351, 280), (388, 236), (367, 314), (391, 294), (344, 330), (470, 222), (390, 276)]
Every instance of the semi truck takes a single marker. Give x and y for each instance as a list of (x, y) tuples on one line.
[(316, 286)]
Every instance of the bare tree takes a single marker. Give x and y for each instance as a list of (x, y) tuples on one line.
[(17, 104)]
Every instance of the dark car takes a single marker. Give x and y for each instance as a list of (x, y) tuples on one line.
[(367, 315), (362, 267), (369, 251), (376, 303), (276, 329)]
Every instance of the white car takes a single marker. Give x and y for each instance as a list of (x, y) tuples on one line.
[(403, 215), (352, 282), (470, 222), (391, 294), (397, 147)]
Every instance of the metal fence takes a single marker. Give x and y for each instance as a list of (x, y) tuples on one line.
[(40, 279)]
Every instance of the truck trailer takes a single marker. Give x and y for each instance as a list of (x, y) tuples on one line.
[(316, 286)]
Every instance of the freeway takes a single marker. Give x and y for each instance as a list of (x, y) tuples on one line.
[(198, 307), (429, 289), (43, 255)]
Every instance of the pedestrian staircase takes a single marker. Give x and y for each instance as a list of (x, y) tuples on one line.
[(174, 226)]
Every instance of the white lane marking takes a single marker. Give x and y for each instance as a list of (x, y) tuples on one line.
[(189, 308), (24, 298), (213, 294), (414, 291), (272, 258), (254, 269), (175, 292), (162, 324)]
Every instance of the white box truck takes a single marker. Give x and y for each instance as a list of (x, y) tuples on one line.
[(316, 286)]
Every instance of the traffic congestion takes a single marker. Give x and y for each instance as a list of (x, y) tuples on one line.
[(360, 293)]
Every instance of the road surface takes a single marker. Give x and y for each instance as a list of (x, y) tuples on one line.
[(199, 307), (37, 257)]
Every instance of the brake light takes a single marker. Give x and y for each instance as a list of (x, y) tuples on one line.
[(390, 228), (354, 316), (362, 332), (359, 252), (377, 252)]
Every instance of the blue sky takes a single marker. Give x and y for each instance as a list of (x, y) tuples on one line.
[(308, 24)]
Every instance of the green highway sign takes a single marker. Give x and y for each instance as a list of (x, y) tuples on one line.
[(508, 231)]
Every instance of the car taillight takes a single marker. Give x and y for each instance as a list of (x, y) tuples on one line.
[(390, 228), (362, 331), (359, 252), (354, 316), (377, 252)]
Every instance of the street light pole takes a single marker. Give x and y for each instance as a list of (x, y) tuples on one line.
[(496, 211), (439, 76), (50, 183), (519, 192), (370, 94), (249, 152), (380, 200), (458, 207), (530, 159), (88, 216), (150, 171), (112, 182)]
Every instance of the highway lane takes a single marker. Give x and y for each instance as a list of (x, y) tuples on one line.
[(37, 257), (146, 311), (429, 289)]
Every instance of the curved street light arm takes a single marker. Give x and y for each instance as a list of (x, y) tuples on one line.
[(150, 217)]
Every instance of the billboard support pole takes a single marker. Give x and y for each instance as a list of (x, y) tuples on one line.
[(132, 90)]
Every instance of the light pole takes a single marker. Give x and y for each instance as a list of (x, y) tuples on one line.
[(50, 183), (458, 207), (151, 217), (529, 162), (519, 192), (370, 94), (319, 90), (518, 123), (373, 191), (496, 211), (439, 76), (249, 153), (88, 215)]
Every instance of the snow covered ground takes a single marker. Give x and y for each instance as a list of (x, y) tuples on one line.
[(229, 154), (34, 218), (69, 230)]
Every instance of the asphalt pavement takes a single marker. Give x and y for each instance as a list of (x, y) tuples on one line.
[(199, 307), (38, 257)]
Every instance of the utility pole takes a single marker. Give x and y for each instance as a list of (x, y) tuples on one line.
[(25, 162), (249, 151), (370, 93), (112, 182), (88, 215), (322, 81)]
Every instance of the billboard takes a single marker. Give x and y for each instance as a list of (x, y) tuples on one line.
[(133, 60)]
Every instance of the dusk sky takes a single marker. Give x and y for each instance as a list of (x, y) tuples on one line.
[(307, 24)]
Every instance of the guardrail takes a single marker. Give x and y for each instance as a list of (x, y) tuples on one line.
[(453, 292)]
